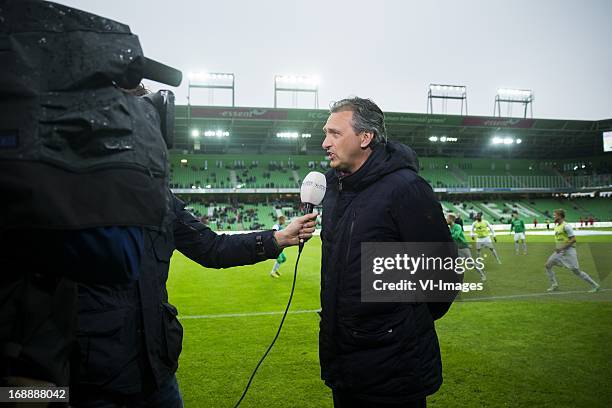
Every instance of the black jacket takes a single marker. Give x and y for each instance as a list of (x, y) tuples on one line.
[(379, 351), (39, 269), (129, 335)]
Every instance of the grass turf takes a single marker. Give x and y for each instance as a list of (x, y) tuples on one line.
[(541, 351)]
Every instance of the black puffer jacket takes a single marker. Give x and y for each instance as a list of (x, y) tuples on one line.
[(383, 352), (129, 335)]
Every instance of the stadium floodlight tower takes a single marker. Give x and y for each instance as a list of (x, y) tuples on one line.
[(210, 81), (512, 96), (446, 93), (296, 84)]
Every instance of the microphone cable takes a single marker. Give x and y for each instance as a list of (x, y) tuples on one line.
[(246, 389)]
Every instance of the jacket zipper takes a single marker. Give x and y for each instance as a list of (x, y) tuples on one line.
[(348, 251)]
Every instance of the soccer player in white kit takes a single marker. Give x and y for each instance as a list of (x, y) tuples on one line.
[(565, 253), (484, 232)]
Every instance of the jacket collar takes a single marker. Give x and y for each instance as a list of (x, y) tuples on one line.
[(384, 159)]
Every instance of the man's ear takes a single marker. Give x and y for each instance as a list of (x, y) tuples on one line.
[(366, 139)]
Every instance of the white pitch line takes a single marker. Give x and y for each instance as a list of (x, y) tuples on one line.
[(527, 295), (216, 316), (578, 232), (254, 314)]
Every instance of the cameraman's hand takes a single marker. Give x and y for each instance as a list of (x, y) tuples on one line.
[(300, 228)]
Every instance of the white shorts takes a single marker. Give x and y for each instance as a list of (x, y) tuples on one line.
[(518, 236), (484, 243), (567, 259), (464, 252)]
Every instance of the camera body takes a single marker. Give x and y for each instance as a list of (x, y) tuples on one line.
[(76, 150), (163, 102), (83, 165)]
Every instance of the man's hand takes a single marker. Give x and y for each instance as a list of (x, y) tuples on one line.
[(572, 241), (300, 228)]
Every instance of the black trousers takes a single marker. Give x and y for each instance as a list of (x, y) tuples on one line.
[(344, 400)]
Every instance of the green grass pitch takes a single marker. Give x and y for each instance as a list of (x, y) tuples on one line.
[(534, 351)]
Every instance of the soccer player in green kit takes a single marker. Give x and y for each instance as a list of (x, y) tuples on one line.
[(282, 258), (463, 248), (518, 226)]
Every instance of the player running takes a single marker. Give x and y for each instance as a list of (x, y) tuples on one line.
[(483, 232), (282, 257), (565, 253), (462, 244), (518, 226)]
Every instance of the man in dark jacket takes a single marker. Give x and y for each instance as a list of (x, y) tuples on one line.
[(374, 354), (129, 335)]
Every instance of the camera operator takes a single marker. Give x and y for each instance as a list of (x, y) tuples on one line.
[(83, 170), (129, 335)]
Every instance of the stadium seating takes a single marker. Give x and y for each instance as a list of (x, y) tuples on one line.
[(242, 216), (238, 171), (226, 217), (280, 171), (500, 211), (241, 171)]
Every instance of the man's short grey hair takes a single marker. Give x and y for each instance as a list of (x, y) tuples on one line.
[(367, 117)]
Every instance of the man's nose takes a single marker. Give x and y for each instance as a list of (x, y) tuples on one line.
[(326, 144)]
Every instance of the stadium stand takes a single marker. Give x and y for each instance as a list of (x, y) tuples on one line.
[(244, 181), (234, 172), (283, 171)]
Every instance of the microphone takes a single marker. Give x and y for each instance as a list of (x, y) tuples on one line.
[(312, 193), (158, 72)]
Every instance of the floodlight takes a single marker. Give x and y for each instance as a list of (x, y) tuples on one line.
[(216, 133), (296, 84), (446, 92), (209, 81), (287, 135), (514, 95), (510, 96), (443, 139), (210, 78), (506, 140)]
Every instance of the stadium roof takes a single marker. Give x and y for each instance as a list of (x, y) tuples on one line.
[(254, 130)]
